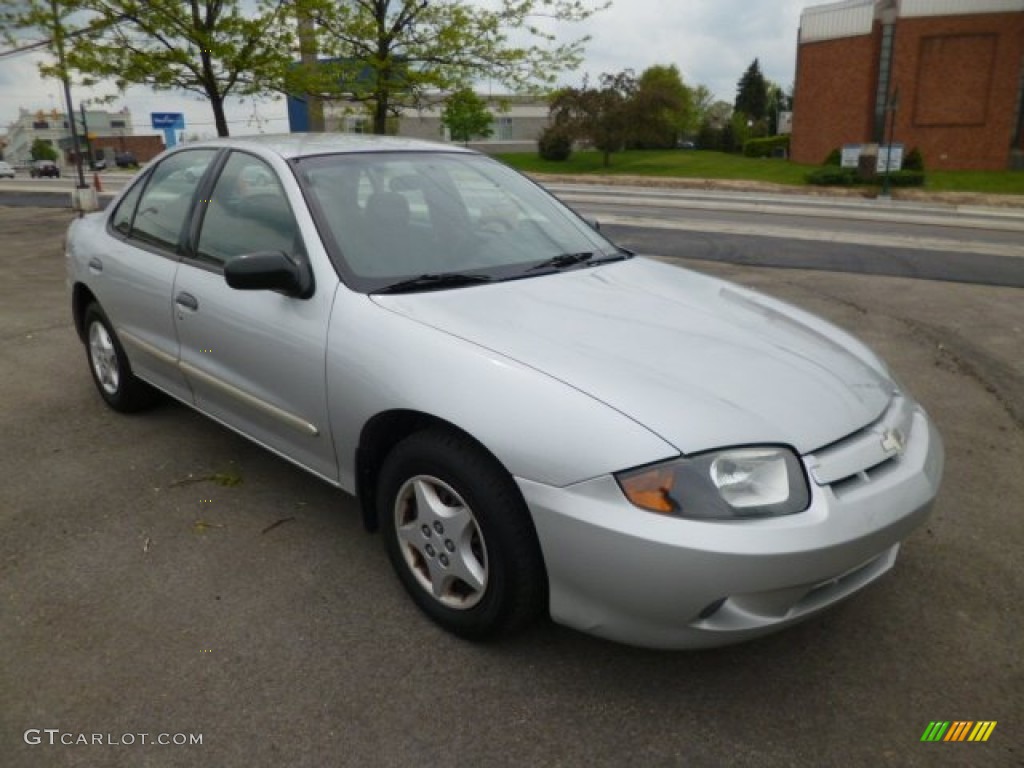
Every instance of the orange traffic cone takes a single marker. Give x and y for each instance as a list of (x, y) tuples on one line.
[(96, 182)]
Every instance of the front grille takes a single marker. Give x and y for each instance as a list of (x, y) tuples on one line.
[(867, 454)]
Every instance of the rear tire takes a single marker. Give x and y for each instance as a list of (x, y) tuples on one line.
[(109, 366), (460, 537)]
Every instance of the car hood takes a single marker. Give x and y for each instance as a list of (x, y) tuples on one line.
[(700, 362)]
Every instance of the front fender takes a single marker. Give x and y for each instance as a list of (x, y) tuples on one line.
[(539, 428)]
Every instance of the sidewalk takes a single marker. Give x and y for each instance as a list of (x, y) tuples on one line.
[(730, 187)]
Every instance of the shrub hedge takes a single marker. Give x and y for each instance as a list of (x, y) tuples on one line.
[(831, 176), (765, 147), (555, 144)]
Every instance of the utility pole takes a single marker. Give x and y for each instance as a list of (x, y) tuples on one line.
[(892, 107), (307, 49), (85, 134), (58, 44)]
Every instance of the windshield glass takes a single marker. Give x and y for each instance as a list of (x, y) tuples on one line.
[(398, 215)]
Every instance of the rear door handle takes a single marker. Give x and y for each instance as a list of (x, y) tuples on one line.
[(187, 301), (95, 265)]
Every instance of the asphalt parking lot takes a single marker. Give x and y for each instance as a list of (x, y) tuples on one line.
[(161, 576)]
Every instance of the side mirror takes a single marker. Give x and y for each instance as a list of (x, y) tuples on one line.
[(270, 271)]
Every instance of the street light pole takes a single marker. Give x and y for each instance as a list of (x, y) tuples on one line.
[(310, 63), (85, 135), (892, 107), (58, 44)]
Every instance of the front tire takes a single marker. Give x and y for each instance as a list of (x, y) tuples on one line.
[(110, 368), (460, 537)]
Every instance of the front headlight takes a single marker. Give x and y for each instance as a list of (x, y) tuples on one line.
[(764, 481)]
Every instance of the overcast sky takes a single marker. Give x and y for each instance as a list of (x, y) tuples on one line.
[(711, 41)]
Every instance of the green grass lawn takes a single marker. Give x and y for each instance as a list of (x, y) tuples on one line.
[(719, 165), (989, 182)]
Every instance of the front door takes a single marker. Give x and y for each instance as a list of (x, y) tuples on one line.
[(255, 359)]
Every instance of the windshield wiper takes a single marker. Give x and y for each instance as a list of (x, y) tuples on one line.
[(434, 282), (563, 260)]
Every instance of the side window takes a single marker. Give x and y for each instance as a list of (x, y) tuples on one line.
[(247, 212), (122, 218), (168, 197)]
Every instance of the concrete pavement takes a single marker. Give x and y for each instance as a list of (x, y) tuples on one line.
[(138, 595)]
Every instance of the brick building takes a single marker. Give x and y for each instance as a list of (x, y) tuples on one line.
[(956, 66)]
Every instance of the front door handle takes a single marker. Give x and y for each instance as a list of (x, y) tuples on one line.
[(187, 301)]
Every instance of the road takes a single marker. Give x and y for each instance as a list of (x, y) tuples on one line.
[(895, 238), (139, 596)]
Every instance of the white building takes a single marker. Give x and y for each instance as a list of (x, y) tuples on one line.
[(518, 121), (53, 128)]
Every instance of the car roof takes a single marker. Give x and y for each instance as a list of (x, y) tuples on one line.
[(291, 145)]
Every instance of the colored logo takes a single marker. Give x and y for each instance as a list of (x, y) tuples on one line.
[(959, 730)]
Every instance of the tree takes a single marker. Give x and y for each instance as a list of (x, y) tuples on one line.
[(736, 132), (716, 127), (41, 149), (555, 143), (602, 116), (778, 101), (466, 115), (212, 48), (701, 99), (387, 54), (719, 114), (662, 107), (752, 93)]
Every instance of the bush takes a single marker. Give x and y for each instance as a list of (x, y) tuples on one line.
[(904, 178), (709, 137), (914, 161), (42, 150), (831, 176), (765, 147), (835, 157), (555, 144)]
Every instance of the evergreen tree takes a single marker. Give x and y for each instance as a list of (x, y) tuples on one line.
[(752, 93)]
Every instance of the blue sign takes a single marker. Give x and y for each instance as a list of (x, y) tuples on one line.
[(165, 120), (298, 114), (168, 122)]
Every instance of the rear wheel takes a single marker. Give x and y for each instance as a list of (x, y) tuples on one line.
[(109, 366), (459, 536)]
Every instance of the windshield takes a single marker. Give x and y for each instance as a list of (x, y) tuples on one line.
[(394, 216)]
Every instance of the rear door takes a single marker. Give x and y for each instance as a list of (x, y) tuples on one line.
[(134, 275)]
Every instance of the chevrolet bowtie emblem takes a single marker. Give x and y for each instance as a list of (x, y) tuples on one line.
[(893, 441)]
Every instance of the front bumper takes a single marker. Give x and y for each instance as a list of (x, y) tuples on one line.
[(640, 578)]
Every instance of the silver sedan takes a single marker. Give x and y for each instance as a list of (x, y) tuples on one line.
[(536, 420)]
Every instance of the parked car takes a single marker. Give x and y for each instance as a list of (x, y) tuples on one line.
[(40, 168), (125, 160), (6, 170), (534, 418)]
